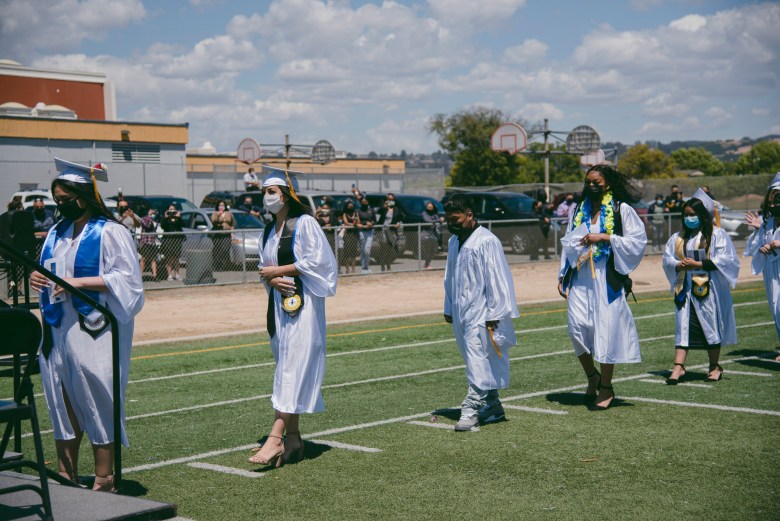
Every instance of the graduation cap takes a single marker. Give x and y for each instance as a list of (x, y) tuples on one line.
[(280, 177), (775, 184), (708, 203), (77, 173)]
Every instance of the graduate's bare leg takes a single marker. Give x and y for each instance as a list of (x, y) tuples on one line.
[(606, 394), (715, 371), (586, 361), (679, 363), (274, 444), (68, 450), (104, 463)]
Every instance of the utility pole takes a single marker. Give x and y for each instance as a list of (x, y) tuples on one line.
[(546, 159)]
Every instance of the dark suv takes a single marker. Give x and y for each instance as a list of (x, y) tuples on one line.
[(521, 237), (141, 203), (412, 207)]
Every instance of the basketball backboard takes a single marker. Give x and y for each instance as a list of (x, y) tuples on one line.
[(509, 137), (248, 151)]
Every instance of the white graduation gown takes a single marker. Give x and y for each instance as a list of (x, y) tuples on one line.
[(299, 343), (82, 365), (715, 311), (767, 264), (606, 330), (478, 287)]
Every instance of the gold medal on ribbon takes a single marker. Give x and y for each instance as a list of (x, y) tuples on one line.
[(292, 304)]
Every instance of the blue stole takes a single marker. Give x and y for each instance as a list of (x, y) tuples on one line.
[(87, 264)]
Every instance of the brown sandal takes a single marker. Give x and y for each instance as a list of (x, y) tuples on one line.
[(277, 458)]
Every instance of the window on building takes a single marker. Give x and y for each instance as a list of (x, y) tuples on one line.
[(135, 152)]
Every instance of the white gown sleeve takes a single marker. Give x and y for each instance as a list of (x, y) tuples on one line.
[(121, 273), (499, 287), (629, 248), (670, 260), (565, 240), (452, 254), (724, 256), (316, 263), (754, 242)]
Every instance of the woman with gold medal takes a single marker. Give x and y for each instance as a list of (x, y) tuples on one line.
[(702, 265), (299, 271)]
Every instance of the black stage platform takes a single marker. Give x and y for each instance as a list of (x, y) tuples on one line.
[(76, 504)]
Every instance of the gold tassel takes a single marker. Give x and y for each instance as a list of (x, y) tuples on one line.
[(94, 183), (290, 186), (495, 345)]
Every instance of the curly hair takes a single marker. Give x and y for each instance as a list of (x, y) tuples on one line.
[(622, 188), (772, 198)]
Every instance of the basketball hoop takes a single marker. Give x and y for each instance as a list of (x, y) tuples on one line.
[(323, 152), (583, 140), (509, 137), (593, 158), (248, 151)]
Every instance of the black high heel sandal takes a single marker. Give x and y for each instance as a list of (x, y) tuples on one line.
[(675, 381), (611, 391), (712, 368), (591, 398)]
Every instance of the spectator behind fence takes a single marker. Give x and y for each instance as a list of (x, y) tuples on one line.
[(173, 227), (43, 219), (251, 181), (16, 228), (566, 207), (127, 217), (222, 221), (431, 233), (539, 211), (657, 214), (365, 226), (348, 233), (147, 244), (250, 207), (390, 217)]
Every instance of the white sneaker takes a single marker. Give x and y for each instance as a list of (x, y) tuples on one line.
[(170, 278), (467, 423)]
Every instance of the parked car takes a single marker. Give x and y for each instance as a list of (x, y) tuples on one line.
[(140, 204), (521, 237), (245, 244), (733, 222), (29, 197), (411, 206)]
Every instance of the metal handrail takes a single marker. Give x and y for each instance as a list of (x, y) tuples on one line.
[(14, 254)]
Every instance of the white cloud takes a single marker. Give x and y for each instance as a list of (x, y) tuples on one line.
[(468, 15), (531, 51), (539, 111), (31, 26), (719, 116), (690, 23), (662, 105), (760, 112)]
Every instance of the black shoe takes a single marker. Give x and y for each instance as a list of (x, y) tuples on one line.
[(591, 398), (612, 392), (675, 381), (712, 368)]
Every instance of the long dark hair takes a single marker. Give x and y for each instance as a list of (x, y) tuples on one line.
[(296, 208), (619, 184), (769, 199), (704, 218), (85, 192)]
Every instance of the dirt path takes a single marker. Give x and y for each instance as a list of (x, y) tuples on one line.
[(191, 312)]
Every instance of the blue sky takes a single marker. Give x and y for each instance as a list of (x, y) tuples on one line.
[(368, 76)]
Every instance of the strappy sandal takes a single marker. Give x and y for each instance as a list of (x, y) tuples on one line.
[(275, 458), (104, 484), (675, 381), (712, 368), (611, 400), (295, 455), (591, 398)]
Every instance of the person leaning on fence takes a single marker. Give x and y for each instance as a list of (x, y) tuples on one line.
[(764, 246), (539, 211), (127, 216), (480, 303), (96, 254), (390, 217), (172, 240), (43, 219), (147, 243), (658, 213), (251, 181), (431, 233), (348, 235), (222, 221), (604, 243), (299, 271), (249, 207), (365, 227), (702, 265)]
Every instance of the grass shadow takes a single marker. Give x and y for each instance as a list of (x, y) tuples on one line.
[(449, 413), (581, 400), (130, 487), (311, 450)]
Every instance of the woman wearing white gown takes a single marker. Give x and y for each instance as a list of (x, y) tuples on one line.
[(96, 254), (299, 270), (702, 267), (764, 246), (605, 242)]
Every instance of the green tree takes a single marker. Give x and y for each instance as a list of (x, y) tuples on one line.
[(697, 158), (465, 136), (642, 162), (763, 158)]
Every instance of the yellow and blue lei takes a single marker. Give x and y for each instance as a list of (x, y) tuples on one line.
[(606, 222)]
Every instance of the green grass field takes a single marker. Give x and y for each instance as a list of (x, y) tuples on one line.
[(706, 451)]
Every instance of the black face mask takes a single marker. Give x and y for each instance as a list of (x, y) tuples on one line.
[(455, 229), (594, 190), (71, 210), (774, 211)]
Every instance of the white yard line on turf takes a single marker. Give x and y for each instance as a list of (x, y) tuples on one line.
[(400, 419), (226, 470), (683, 384), (700, 405), (750, 373), (434, 425), (345, 446)]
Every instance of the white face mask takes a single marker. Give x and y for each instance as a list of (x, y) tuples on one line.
[(273, 203)]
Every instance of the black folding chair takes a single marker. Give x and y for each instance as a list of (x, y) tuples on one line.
[(21, 339)]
